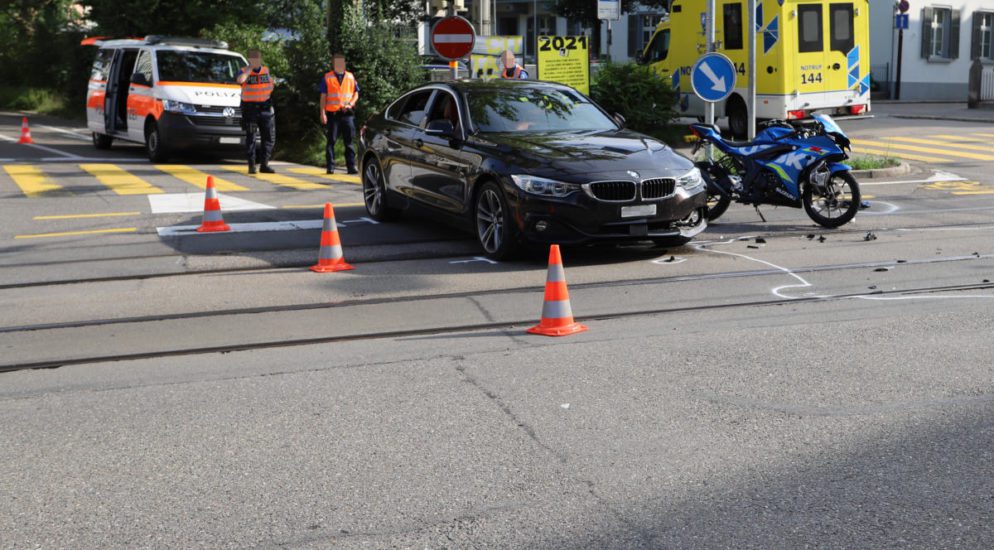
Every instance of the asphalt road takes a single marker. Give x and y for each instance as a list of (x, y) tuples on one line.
[(810, 388)]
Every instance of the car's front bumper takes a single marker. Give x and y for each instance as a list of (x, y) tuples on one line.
[(192, 131), (579, 218)]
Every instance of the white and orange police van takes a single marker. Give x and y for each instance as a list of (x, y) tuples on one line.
[(166, 93)]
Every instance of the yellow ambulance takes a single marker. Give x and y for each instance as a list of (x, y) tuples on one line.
[(811, 55)]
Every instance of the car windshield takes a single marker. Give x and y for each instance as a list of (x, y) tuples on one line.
[(535, 109), (207, 67)]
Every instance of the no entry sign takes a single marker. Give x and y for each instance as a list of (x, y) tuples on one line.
[(453, 37)]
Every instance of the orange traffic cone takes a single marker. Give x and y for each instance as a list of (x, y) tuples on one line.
[(330, 257), (557, 315), (212, 220), (25, 132)]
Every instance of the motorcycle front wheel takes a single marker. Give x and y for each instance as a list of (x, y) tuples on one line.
[(833, 204)]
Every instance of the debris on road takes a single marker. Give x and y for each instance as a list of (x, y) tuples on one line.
[(760, 240), (870, 236)]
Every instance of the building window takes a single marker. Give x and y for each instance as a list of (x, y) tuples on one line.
[(809, 27), (641, 27), (940, 33), (841, 21), (647, 26), (983, 35), (733, 26)]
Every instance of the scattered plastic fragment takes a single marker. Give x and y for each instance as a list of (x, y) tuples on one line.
[(760, 240), (565, 405), (752, 246), (821, 238), (882, 269), (870, 236)]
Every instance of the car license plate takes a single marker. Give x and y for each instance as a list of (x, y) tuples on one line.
[(226, 140), (638, 211)]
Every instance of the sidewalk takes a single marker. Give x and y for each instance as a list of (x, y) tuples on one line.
[(955, 111)]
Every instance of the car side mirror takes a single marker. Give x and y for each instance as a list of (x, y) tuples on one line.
[(139, 78), (619, 118), (441, 127)]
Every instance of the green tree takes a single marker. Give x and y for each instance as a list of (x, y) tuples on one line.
[(646, 100)]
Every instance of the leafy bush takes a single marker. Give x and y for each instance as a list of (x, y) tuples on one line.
[(646, 100)]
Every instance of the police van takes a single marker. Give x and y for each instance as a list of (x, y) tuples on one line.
[(811, 55), (166, 93)]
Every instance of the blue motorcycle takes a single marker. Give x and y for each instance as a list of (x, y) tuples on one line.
[(784, 166)]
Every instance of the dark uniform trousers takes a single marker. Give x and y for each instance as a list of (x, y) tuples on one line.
[(259, 118), (340, 124)]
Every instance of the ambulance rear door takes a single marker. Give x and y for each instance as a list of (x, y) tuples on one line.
[(813, 75)]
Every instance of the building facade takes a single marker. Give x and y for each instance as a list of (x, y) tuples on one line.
[(942, 39)]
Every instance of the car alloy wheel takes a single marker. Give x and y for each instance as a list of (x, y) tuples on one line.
[(490, 220)]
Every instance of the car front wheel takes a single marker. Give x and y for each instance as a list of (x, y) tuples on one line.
[(156, 150), (494, 223)]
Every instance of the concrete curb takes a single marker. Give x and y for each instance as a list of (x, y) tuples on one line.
[(900, 170), (949, 118)]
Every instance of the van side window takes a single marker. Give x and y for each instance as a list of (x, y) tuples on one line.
[(659, 48), (144, 66), (733, 26), (101, 65), (841, 22), (809, 25)]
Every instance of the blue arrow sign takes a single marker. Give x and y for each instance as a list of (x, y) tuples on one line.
[(713, 77)]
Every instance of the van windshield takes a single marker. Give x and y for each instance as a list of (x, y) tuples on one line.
[(207, 67)]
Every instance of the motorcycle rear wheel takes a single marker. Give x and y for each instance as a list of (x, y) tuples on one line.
[(836, 203)]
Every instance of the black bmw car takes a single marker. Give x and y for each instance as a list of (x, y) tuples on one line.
[(525, 161)]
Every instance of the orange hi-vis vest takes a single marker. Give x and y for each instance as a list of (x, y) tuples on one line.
[(339, 94), (517, 73), (258, 87)]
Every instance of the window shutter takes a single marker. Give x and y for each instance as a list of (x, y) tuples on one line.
[(978, 19), (954, 36), (926, 32), (634, 33)]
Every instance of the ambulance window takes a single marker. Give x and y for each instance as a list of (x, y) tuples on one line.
[(101, 65), (809, 28), (660, 47), (842, 27), (144, 66), (733, 26)]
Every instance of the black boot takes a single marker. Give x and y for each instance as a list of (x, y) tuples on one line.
[(252, 168), (266, 169)]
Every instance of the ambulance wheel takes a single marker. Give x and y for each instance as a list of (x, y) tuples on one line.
[(156, 150), (738, 118), (101, 141)]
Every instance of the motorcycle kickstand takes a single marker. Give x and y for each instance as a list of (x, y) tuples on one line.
[(756, 206)]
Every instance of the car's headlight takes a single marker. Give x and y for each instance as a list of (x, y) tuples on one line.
[(544, 186), (690, 180), (179, 107)]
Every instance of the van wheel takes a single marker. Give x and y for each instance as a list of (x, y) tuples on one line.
[(738, 118), (101, 141), (156, 150)]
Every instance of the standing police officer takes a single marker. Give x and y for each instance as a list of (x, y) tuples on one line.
[(257, 110), (510, 70), (339, 94)]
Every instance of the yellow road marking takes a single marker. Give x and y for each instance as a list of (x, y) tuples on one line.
[(279, 179), (966, 146), (31, 180), (320, 172), (197, 178), (76, 233), (945, 152), (983, 135), (953, 137), (952, 186), (119, 180), (84, 216), (973, 192), (899, 154), (867, 197), (334, 204)]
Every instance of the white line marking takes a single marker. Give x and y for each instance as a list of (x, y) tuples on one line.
[(364, 220), (70, 133), (67, 156), (668, 261), (190, 230), (172, 203), (938, 176), (474, 259)]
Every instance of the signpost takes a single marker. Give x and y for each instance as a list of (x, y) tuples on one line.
[(609, 10), (713, 78), (453, 38), (564, 59), (901, 22)]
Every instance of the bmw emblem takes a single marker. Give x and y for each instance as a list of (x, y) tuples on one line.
[(633, 174)]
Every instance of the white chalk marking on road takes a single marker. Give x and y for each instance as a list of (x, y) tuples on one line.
[(259, 227), (937, 177), (778, 290), (68, 156), (474, 259), (364, 220), (892, 208), (668, 261), (172, 203)]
